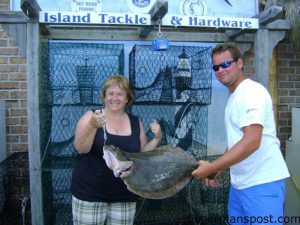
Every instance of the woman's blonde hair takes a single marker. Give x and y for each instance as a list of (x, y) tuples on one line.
[(121, 82)]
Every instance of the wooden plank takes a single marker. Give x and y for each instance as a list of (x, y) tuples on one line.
[(34, 148), (132, 33), (129, 34), (12, 17), (279, 24), (157, 12), (31, 8)]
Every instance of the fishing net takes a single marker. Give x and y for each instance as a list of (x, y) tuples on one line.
[(173, 87), (14, 190)]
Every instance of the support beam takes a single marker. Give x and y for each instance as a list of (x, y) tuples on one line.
[(31, 8), (133, 34), (278, 25), (157, 12), (264, 43), (271, 14)]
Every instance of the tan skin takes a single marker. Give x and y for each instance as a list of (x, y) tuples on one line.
[(116, 122), (252, 134)]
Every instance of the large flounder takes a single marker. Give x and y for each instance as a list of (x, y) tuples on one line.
[(155, 174)]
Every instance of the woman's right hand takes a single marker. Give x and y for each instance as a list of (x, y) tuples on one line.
[(86, 129), (98, 119)]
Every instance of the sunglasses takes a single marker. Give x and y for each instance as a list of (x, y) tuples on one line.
[(223, 65)]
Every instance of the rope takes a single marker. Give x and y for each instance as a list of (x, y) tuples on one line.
[(23, 206), (139, 210)]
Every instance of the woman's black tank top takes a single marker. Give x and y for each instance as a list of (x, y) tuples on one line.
[(92, 180)]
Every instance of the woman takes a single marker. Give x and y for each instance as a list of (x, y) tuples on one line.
[(97, 196)]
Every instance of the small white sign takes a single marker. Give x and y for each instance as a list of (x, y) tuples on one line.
[(86, 5)]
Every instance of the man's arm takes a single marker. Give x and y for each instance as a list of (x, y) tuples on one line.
[(249, 143)]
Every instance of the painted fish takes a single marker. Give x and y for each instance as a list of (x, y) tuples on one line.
[(155, 174)]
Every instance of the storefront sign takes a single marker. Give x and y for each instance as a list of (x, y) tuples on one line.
[(145, 19), (95, 18)]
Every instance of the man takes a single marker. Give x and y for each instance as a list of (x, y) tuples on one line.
[(257, 167)]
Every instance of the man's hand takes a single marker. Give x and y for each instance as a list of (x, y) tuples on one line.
[(204, 170), (215, 181)]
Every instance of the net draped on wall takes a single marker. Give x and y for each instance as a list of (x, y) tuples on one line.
[(173, 87)]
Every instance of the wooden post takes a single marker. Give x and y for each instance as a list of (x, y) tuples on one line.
[(266, 58), (264, 43), (34, 148), (262, 57), (273, 82), (31, 8)]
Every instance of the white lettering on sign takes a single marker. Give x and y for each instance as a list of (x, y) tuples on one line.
[(145, 19), (95, 18), (209, 21)]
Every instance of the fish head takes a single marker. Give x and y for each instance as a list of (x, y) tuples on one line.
[(117, 161)]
